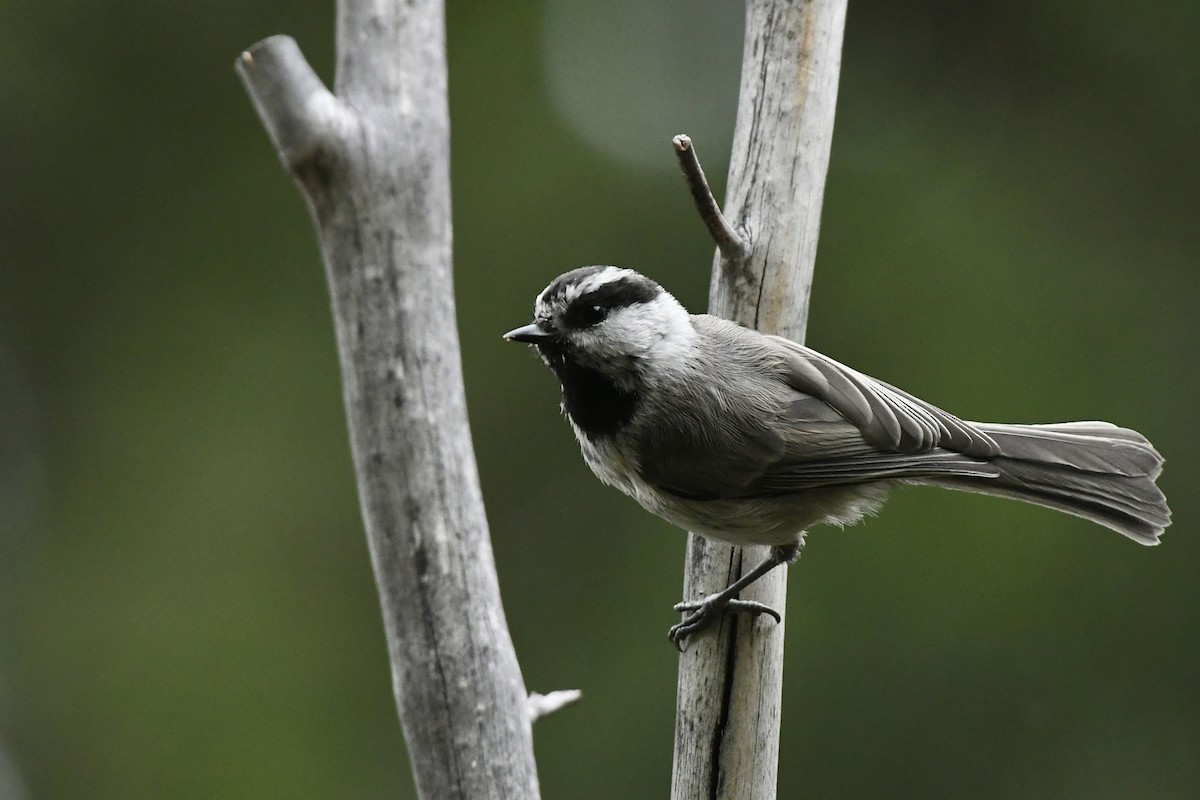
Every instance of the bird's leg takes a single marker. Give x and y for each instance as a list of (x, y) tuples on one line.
[(707, 611)]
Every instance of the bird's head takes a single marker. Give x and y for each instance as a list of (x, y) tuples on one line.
[(608, 319)]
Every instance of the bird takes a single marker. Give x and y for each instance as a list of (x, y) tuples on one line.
[(752, 439)]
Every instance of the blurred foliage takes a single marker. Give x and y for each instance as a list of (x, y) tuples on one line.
[(186, 609)]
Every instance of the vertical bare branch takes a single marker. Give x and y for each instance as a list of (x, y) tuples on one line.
[(730, 680), (373, 165)]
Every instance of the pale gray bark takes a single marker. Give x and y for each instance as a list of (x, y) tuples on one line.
[(730, 680), (373, 164)]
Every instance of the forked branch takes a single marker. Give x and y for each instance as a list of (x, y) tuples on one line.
[(381, 204), (302, 117)]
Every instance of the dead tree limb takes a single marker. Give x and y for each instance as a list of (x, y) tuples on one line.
[(372, 161), (731, 678)]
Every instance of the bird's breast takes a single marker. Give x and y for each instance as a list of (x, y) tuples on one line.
[(608, 460), (597, 406)]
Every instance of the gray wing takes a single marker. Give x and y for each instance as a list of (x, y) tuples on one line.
[(829, 425), (710, 470), (889, 418)]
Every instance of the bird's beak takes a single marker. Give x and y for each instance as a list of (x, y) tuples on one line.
[(531, 334)]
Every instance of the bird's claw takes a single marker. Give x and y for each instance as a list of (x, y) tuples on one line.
[(707, 611)]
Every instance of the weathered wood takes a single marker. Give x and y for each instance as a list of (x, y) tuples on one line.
[(373, 164), (731, 677)]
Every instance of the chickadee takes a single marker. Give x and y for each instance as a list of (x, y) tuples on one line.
[(752, 439)]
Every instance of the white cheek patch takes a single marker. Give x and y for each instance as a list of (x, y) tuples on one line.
[(660, 330), (623, 333), (672, 326)]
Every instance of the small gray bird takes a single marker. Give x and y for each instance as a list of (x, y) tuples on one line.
[(752, 439)]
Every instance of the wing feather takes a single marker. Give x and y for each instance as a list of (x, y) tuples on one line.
[(787, 419), (888, 418)]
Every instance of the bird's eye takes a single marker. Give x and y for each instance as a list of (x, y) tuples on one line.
[(592, 315)]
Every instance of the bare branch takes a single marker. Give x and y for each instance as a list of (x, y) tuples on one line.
[(730, 681), (374, 166), (733, 245)]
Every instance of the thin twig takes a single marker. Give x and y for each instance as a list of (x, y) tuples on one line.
[(731, 243), (542, 704)]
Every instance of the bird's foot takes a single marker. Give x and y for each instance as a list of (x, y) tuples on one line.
[(707, 611)]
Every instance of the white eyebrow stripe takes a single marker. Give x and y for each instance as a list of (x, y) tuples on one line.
[(593, 282), (573, 291)]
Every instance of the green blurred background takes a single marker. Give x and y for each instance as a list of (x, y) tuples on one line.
[(186, 608)]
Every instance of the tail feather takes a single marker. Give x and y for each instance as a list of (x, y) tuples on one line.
[(1092, 470), (1137, 498), (1089, 446)]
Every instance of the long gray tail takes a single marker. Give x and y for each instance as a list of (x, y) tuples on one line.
[(1093, 470)]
